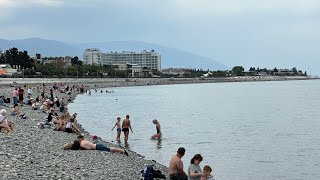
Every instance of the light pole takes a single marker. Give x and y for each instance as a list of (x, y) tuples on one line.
[(77, 71)]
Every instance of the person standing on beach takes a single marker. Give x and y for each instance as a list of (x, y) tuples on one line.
[(118, 128), (29, 91), (176, 171), (125, 128), (21, 93), (15, 96), (51, 93), (158, 134)]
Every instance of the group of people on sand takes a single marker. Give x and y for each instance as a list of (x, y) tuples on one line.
[(195, 172)]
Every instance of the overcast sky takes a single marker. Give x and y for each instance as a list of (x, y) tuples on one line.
[(273, 33)]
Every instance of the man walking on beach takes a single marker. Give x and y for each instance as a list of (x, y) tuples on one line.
[(176, 166), (125, 128)]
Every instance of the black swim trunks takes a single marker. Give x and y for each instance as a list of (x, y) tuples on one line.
[(178, 177), (69, 130), (125, 129)]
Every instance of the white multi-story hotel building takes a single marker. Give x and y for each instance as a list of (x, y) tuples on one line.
[(146, 59)]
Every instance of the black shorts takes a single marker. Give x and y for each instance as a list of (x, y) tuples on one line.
[(125, 129), (69, 130)]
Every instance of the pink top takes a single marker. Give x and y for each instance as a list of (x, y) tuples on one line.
[(14, 93)]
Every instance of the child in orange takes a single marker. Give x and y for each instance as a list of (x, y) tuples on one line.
[(207, 171)]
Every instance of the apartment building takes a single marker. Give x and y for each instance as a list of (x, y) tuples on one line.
[(145, 59)]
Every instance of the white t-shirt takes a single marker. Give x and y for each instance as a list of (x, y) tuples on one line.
[(3, 118), (29, 91)]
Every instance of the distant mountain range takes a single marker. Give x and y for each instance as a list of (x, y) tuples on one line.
[(170, 57)]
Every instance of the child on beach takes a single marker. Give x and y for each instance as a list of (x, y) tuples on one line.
[(15, 110), (118, 128), (207, 171)]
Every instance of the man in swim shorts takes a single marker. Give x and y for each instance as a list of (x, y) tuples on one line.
[(125, 128)]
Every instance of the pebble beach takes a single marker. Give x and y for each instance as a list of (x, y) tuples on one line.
[(35, 153)]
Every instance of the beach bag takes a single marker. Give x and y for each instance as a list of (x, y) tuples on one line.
[(149, 173)]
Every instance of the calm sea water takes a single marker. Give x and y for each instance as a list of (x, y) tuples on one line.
[(247, 130)]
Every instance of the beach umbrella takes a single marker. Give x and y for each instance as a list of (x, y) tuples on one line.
[(2, 72)]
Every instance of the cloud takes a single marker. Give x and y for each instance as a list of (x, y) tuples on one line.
[(250, 31), (29, 3)]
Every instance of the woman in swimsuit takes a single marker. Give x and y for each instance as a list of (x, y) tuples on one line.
[(158, 135)]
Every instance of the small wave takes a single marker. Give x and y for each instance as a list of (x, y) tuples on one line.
[(203, 143), (268, 162)]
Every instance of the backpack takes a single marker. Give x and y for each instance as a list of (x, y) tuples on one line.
[(149, 173)]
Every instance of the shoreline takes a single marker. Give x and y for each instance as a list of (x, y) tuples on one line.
[(120, 82), (33, 153)]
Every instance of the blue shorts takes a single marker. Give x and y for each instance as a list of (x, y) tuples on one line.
[(119, 130), (101, 147)]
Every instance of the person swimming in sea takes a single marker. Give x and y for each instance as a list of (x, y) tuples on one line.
[(158, 135)]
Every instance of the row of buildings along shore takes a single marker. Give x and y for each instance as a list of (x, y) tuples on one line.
[(138, 63)]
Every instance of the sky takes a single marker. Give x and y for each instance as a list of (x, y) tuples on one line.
[(250, 33)]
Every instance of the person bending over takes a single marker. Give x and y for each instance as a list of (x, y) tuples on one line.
[(158, 128)]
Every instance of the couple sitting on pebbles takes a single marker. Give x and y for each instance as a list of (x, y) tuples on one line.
[(81, 143), (64, 123)]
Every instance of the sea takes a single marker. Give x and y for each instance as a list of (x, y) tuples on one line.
[(244, 130)]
